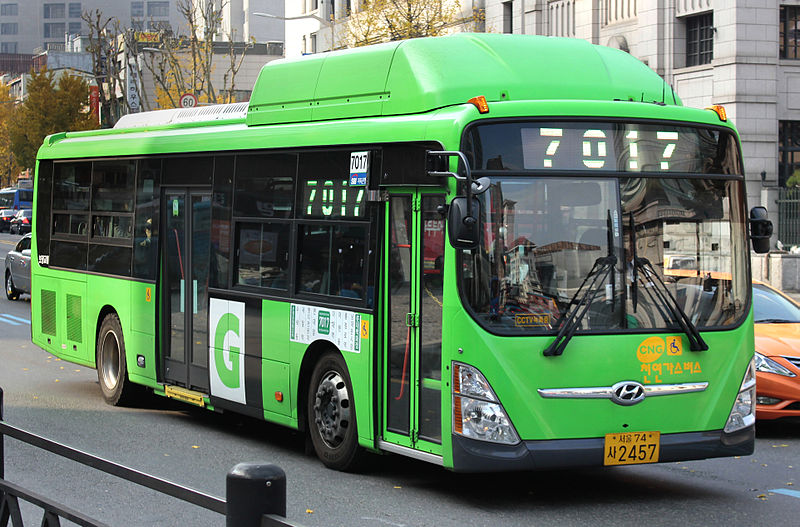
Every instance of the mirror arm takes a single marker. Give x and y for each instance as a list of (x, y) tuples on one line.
[(469, 220)]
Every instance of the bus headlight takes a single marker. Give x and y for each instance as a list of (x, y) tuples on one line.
[(477, 413), (743, 413)]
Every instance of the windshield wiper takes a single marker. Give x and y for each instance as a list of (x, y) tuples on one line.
[(665, 298), (599, 272), (774, 321)]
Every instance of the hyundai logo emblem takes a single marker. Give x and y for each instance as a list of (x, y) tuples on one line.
[(627, 393)]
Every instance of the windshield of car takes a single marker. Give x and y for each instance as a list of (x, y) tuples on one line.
[(771, 307), (551, 242)]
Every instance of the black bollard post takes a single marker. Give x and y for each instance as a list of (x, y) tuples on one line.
[(2, 450), (4, 514), (253, 490)]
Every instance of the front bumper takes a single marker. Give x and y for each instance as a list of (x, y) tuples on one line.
[(470, 455)]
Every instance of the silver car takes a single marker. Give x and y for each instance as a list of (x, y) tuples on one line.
[(18, 269)]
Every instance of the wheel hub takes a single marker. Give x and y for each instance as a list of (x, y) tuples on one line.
[(332, 409), (110, 360)]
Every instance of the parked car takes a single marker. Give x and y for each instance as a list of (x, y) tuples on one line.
[(18, 269), (777, 327), (21, 222)]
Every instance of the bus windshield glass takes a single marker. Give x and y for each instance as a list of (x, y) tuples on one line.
[(545, 238)]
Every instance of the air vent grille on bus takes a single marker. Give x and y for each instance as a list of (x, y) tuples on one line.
[(212, 112), (74, 318), (49, 312)]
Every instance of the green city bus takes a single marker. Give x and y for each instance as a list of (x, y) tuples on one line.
[(459, 249)]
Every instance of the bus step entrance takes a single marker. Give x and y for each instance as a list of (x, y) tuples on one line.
[(185, 395)]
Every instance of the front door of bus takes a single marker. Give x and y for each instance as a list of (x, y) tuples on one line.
[(187, 228), (413, 292)]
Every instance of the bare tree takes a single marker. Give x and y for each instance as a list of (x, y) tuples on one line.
[(104, 46), (185, 63), (389, 20)]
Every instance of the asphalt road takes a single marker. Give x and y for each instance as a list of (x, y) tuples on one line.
[(196, 448)]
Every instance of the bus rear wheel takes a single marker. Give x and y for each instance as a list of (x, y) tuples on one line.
[(332, 415), (112, 371)]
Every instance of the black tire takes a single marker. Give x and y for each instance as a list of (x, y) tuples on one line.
[(332, 414), (11, 292), (112, 371)]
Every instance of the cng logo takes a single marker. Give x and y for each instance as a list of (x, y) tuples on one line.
[(226, 349), (650, 350), (324, 322)]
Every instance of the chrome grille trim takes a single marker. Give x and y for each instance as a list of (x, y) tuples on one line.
[(604, 392), (794, 361)]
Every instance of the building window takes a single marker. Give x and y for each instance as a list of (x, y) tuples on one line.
[(508, 17), (8, 47), (75, 10), (160, 9), (790, 32), (788, 151), (74, 28), (137, 9), (54, 11), (313, 42), (54, 30), (8, 28), (8, 9), (699, 39)]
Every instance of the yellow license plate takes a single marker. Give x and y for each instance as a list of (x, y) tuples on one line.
[(631, 448)]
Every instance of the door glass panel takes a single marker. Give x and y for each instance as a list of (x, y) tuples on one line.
[(201, 227), (431, 292), (400, 268), (175, 280)]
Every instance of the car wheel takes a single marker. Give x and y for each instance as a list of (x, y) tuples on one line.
[(112, 371), (11, 292), (332, 415)]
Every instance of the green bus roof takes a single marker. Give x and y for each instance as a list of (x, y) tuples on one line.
[(419, 75)]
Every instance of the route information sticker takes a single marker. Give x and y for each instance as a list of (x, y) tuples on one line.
[(310, 323)]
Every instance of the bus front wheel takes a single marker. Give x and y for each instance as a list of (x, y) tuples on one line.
[(112, 371), (332, 415)]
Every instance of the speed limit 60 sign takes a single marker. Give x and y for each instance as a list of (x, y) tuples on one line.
[(188, 100)]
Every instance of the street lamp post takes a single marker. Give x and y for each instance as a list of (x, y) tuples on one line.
[(319, 19)]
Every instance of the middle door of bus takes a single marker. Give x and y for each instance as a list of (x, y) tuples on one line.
[(186, 235), (413, 286)]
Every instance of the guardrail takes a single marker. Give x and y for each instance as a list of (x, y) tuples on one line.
[(256, 493)]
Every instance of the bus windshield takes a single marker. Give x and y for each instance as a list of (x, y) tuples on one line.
[(544, 240)]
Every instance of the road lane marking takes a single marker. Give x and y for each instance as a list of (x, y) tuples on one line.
[(18, 319), (792, 493), (8, 321)]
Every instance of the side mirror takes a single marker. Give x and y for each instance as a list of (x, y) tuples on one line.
[(462, 227), (760, 229)]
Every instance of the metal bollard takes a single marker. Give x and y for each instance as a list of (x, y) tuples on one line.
[(2, 449), (252, 490)]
